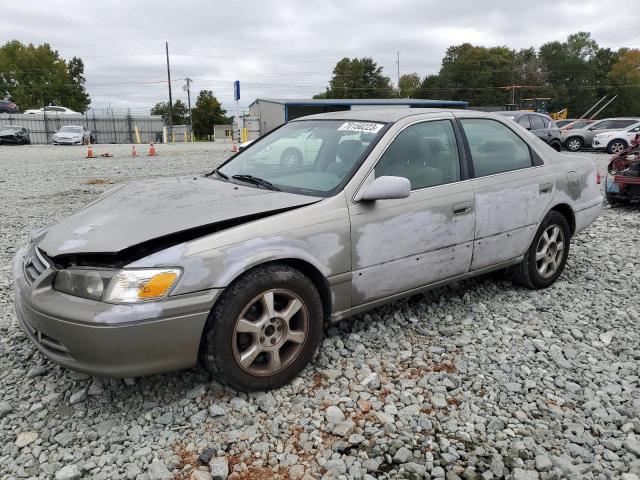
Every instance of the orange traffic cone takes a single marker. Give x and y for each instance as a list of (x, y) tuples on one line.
[(152, 150), (134, 152), (90, 152), (234, 147)]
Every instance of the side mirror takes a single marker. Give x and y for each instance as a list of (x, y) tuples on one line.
[(385, 188)]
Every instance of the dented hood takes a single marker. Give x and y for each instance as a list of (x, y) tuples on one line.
[(143, 211)]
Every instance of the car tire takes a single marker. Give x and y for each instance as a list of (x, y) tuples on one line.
[(614, 201), (616, 146), (546, 257), (291, 157), (557, 146), (251, 340), (573, 144)]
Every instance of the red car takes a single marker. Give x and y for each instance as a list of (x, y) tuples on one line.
[(623, 181), (7, 106)]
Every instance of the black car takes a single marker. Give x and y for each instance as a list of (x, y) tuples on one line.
[(14, 134), (7, 106), (539, 124)]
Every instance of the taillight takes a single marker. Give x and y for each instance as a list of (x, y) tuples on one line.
[(598, 178)]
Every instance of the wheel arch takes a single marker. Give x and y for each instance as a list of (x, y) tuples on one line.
[(567, 212), (306, 268), (622, 140)]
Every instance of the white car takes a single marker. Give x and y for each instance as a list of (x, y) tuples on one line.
[(617, 140), (72, 135), (53, 109)]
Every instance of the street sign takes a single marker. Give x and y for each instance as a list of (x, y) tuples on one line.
[(236, 90)]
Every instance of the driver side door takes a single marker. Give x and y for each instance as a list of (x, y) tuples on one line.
[(404, 244)]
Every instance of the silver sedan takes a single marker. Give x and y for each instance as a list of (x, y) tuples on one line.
[(242, 268)]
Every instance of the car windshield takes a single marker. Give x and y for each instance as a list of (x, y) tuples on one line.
[(312, 157), (71, 129)]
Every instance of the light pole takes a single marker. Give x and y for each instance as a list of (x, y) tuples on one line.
[(187, 87)]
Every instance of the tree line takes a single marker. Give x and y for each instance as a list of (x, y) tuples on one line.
[(34, 76), (206, 113), (574, 74)]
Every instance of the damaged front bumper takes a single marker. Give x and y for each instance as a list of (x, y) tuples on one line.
[(110, 340)]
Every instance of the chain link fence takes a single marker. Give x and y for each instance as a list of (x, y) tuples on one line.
[(106, 126)]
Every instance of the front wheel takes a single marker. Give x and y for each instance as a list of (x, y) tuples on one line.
[(616, 146), (546, 257), (573, 144), (264, 329)]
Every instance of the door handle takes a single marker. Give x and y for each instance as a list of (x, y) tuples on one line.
[(546, 187), (461, 208)]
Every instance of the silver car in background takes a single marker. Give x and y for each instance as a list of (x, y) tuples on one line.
[(576, 139), (242, 268)]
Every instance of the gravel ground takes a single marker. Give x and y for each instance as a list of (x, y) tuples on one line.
[(478, 380)]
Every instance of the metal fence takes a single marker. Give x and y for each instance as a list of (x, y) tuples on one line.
[(106, 126)]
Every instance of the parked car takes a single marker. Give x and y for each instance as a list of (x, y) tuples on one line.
[(72, 135), (623, 175), (616, 140), (579, 123), (54, 110), (577, 138), (243, 267), (14, 134), (7, 106), (539, 124)]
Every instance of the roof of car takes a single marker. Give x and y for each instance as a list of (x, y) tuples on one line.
[(388, 115)]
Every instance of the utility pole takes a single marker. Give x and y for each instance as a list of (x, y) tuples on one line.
[(187, 87), (166, 44), (398, 65)]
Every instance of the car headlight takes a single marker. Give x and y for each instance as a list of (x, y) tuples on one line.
[(117, 286), (55, 135)]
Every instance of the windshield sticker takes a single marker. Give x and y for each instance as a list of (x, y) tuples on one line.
[(367, 127)]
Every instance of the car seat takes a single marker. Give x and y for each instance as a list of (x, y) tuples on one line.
[(348, 153)]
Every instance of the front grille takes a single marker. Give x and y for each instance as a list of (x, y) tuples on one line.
[(35, 263)]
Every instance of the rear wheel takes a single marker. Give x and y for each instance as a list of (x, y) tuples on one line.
[(614, 201), (546, 257), (291, 157), (264, 329), (573, 144), (556, 146), (616, 146)]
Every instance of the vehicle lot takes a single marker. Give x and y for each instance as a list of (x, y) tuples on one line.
[(473, 378)]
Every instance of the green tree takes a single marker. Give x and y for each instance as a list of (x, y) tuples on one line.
[(571, 71), (358, 78), (624, 78), (179, 112), (408, 85), (207, 113), (473, 73), (36, 76)]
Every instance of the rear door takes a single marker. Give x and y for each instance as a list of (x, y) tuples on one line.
[(512, 190), (403, 244)]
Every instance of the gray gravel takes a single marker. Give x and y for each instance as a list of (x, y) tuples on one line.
[(478, 380)]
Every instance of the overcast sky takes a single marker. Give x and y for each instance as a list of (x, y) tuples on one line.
[(281, 49)]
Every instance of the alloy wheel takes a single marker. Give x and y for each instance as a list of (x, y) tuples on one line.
[(574, 144), (549, 251), (270, 332), (616, 147)]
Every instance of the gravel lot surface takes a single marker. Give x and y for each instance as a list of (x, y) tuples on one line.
[(478, 380)]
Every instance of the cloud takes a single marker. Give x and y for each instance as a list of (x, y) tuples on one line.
[(283, 48)]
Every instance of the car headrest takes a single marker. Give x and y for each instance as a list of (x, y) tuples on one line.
[(350, 150), (498, 147), (435, 144)]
